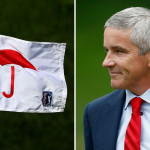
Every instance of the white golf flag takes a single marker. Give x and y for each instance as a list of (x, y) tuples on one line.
[(31, 76)]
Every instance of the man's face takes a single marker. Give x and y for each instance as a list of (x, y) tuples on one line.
[(128, 69)]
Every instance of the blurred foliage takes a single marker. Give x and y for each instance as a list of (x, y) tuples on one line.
[(93, 80), (40, 20)]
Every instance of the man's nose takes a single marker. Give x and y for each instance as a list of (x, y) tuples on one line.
[(108, 61)]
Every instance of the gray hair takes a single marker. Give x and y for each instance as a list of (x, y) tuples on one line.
[(138, 20)]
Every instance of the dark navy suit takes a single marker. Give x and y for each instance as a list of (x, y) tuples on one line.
[(101, 121)]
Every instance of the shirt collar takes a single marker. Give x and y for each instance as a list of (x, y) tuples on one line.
[(129, 96)]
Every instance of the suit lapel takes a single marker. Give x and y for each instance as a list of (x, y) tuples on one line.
[(108, 121)]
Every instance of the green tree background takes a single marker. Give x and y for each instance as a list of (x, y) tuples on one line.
[(93, 80), (49, 21)]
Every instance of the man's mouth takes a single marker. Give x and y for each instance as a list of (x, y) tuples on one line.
[(114, 73)]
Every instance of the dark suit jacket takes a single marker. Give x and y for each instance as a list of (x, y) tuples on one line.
[(101, 121)]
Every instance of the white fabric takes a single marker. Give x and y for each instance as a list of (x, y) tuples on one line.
[(145, 121), (29, 84)]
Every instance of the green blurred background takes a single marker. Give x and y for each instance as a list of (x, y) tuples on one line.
[(49, 21), (93, 80)]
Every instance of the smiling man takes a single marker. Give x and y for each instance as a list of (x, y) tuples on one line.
[(121, 120)]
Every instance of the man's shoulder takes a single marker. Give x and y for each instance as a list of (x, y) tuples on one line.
[(106, 100), (109, 97)]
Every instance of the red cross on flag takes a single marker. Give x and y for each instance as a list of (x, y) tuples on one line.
[(31, 76)]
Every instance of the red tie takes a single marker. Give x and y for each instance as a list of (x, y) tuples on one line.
[(133, 133)]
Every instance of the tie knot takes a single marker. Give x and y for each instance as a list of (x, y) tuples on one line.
[(136, 105)]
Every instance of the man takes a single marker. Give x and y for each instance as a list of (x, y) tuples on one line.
[(108, 123)]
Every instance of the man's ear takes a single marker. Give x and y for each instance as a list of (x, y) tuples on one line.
[(148, 58)]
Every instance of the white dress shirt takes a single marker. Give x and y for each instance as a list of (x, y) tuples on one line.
[(145, 121)]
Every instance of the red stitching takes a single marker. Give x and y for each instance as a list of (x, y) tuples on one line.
[(13, 57), (12, 83)]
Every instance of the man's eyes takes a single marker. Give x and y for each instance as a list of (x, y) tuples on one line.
[(119, 51), (115, 51)]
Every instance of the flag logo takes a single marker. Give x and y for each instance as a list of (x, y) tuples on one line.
[(47, 98), (8, 56)]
